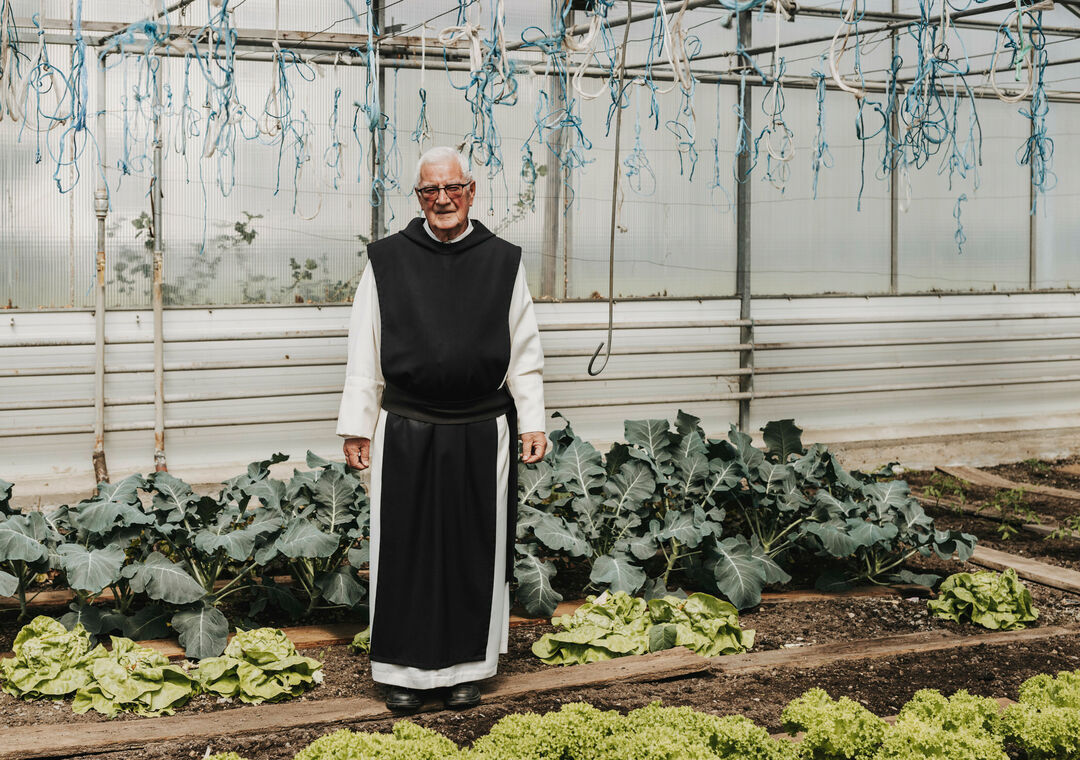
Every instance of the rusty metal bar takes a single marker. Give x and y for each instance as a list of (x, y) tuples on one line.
[(101, 210), (159, 276)]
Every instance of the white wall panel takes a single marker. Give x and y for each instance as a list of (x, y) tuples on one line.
[(290, 418)]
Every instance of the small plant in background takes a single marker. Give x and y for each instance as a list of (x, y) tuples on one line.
[(1037, 466), (1010, 504), (945, 486)]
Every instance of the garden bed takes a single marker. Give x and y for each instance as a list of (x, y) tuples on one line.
[(778, 625), (882, 685)]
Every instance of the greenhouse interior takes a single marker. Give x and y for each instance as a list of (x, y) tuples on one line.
[(801, 285)]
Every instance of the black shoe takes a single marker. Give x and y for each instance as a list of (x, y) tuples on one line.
[(463, 696), (403, 701)]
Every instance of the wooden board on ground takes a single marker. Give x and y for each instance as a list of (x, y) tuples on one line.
[(989, 479), (1062, 578), (887, 646), (330, 634), (53, 741), (62, 597)]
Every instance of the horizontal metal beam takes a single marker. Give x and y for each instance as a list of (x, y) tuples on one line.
[(575, 404)]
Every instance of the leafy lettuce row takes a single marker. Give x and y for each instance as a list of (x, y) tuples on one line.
[(617, 625), (998, 601), (52, 662), (1045, 724), (728, 516)]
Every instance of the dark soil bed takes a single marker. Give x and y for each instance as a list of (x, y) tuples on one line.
[(760, 697), (998, 502)]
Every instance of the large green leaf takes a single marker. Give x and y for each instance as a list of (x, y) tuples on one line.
[(9, 584), (150, 622), (335, 497), (102, 516), (302, 538), (891, 495), (558, 534), (773, 572), (237, 543), (203, 631), (590, 519), (171, 494), (691, 462), (776, 479), (165, 580), (579, 468), (870, 534), (724, 475), (652, 439), (783, 439), (535, 482), (341, 587), (747, 455), (629, 488), (738, 573), (684, 526), (86, 615), (834, 537), (688, 423), (953, 542), (90, 570), (617, 572), (5, 497), (126, 490), (18, 542), (533, 575)]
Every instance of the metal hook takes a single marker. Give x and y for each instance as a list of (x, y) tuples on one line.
[(607, 354)]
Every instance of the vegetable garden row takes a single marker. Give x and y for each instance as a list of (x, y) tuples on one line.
[(668, 508)]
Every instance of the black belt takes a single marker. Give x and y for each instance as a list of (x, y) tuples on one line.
[(487, 407)]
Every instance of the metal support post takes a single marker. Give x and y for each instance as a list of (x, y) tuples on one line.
[(894, 189), (553, 201), (159, 276), (378, 212), (1033, 240), (101, 210), (742, 247)]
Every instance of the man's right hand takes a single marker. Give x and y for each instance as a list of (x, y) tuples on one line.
[(357, 452)]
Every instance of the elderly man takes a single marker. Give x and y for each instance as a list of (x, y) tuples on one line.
[(445, 367)]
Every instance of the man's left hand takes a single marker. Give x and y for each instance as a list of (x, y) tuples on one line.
[(533, 447)]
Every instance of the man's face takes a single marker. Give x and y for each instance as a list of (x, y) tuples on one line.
[(446, 214)]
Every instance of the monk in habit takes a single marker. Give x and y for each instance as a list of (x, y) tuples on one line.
[(445, 374)]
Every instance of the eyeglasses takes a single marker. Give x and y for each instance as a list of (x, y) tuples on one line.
[(453, 191)]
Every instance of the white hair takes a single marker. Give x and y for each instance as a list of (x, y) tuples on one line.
[(438, 155)]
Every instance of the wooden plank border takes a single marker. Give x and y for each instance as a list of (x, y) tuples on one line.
[(1062, 578)]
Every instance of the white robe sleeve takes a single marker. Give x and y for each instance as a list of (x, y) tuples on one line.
[(525, 375), (362, 395)]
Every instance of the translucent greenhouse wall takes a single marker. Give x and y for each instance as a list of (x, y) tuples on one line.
[(282, 250), (278, 234)]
